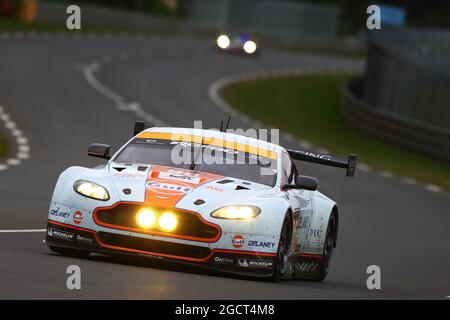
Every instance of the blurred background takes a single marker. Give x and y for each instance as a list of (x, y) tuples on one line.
[(402, 99)]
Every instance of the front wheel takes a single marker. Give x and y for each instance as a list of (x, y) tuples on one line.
[(281, 262), (70, 252)]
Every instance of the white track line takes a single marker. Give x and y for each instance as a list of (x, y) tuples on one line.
[(23, 147), (23, 231), (214, 95), (89, 71)]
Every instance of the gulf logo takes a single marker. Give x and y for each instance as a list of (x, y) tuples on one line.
[(169, 189), (237, 241), (77, 217)]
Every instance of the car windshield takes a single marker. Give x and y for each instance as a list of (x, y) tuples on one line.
[(202, 158)]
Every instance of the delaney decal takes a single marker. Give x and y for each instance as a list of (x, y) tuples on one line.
[(261, 244), (237, 241), (59, 213)]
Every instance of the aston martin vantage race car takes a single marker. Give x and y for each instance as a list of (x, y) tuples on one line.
[(202, 197), (240, 44)]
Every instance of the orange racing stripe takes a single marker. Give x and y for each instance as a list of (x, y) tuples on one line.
[(227, 144)]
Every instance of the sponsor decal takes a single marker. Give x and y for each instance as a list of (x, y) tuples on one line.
[(252, 263), (214, 188), (222, 260), (261, 244), (77, 217), (55, 233), (149, 256), (179, 176), (304, 222), (317, 233), (168, 188), (313, 248), (83, 239), (237, 241), (125, 174), (58, 213)]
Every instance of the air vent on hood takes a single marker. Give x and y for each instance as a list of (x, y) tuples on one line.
[(241, 188), (199, 202), (224, 181), (142, 168), (119, 168)]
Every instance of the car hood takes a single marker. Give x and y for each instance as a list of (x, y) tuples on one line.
[(176, 188)]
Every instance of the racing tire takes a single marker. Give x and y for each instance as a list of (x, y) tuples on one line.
[(70, 252), (327, 252), (281, 262)]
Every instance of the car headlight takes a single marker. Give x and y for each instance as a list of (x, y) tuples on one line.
[(223, 41), (167, 221), (91, 190), (237, 212), (145, 218), (249, 47)]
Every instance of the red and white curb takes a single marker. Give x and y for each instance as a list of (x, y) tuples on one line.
[(22, 145), (216, 87)]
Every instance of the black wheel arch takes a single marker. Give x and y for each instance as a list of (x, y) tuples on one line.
[(335, 213), (290, 212)]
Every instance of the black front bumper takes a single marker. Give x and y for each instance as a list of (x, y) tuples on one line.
[(238, 262)]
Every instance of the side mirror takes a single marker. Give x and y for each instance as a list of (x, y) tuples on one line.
[(303, 182), (99, 150)]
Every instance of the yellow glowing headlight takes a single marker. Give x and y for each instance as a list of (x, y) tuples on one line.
[(223, 41), (237, 212), (91, 190), (249, 47), (168, 221), (145, 218)]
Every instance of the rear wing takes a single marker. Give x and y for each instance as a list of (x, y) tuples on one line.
[(348, 163)]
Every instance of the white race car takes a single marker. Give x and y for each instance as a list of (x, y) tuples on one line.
[(246, 212)]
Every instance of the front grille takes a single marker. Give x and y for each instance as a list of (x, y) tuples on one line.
[(153, 246), (189, 225)]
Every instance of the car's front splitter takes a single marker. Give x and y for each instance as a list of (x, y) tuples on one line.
[(239, 262)]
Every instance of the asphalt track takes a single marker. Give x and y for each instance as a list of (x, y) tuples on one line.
[(401, 227)]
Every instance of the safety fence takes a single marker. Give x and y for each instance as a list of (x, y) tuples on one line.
[(404, 96)]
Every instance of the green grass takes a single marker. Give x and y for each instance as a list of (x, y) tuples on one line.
[(308, 107), (3, 146)]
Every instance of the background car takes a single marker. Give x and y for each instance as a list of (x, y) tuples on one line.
[(238, 44)]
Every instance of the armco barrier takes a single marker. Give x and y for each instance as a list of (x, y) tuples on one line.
[(431, 141)]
